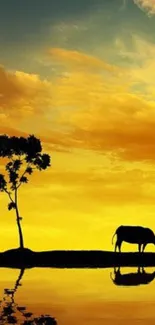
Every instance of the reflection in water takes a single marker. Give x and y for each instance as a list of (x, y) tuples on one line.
[(132, 279), (74, 296), (12, 313)]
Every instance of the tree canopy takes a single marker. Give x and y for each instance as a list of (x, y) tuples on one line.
[(19, 151)]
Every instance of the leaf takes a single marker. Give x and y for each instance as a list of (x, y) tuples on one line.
[(4, 146), (34, 145), (11, 206), (16, 165), (45, 161), (9, 165), (24, 179), (13, 177), (42, 161), (11, 319), (2, 183), (21, 308), (29, 170)]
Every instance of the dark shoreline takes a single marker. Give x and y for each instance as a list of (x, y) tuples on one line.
[(26, 258)]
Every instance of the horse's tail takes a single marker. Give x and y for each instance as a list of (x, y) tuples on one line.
[(111, 276), (113, 237)]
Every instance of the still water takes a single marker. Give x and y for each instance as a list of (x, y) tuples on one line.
[(77, 296)]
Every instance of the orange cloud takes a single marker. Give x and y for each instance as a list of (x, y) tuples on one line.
[(80, 110), (103, 116), (148, 5), (10, 87), (21, 94), (12, 131), (130, 140), (81, 60)]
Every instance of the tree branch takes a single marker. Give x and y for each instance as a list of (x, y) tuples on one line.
[(9, 195), (28, 165)]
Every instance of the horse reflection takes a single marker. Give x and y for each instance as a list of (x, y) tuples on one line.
[(12, 313), (132, 279)]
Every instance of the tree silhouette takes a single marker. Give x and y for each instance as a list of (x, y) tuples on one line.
[(24, 155)]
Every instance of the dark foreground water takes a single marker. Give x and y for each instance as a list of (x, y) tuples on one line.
[(77, 297)]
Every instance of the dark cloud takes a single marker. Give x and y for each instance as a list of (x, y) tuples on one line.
[(19, 19)]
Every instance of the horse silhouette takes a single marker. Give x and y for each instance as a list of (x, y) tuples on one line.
[(132, 279), (134, 235)]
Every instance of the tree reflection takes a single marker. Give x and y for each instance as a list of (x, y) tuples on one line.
[(12, 313)]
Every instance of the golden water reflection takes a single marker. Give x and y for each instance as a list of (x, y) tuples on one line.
[(80, 296)]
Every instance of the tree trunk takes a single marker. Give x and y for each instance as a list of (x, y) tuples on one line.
[(19, 279), (21, 241)]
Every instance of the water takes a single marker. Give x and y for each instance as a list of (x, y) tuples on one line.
[(77, 296)]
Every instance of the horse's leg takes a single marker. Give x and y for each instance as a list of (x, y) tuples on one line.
[(139, 269), (139, 247), (116, 245), (144, 245), (119, 246)]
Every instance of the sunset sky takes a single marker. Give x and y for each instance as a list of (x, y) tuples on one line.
[(80, 76)]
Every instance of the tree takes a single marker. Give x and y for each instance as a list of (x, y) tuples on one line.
[(24, 155)]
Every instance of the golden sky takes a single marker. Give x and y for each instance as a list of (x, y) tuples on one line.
[(82, 80)]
